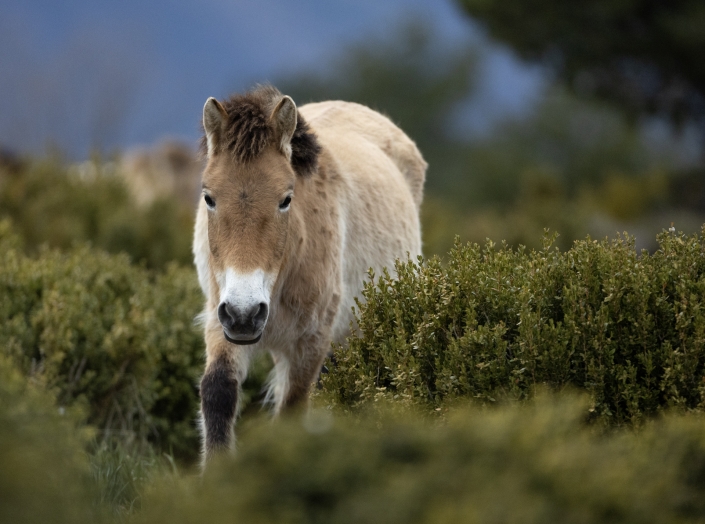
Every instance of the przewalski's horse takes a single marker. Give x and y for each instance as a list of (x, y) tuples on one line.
[(297, 205)]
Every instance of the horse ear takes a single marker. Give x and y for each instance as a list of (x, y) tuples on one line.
[(214, 117), (284, 119)]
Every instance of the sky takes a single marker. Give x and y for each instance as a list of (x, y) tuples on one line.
[(81, 74)]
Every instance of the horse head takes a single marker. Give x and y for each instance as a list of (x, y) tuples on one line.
[(249, 189)]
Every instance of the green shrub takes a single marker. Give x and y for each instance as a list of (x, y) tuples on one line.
[(44, 472), (50, 203), (494, 322), (113, 337), (538, 463)]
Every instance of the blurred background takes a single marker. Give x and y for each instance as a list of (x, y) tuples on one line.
[(585, 119)]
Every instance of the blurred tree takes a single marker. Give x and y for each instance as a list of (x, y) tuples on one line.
[(574, 142), (643, 55), (409, 76)]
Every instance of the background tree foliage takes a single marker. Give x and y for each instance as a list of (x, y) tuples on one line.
[(643, 55)]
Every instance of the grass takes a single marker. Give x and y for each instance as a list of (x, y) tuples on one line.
[(122, 471)]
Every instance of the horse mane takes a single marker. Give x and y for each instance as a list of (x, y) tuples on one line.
[(248, 130)]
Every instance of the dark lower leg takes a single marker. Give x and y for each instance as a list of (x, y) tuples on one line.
[(219, 395)]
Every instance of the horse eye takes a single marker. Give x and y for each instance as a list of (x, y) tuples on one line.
[(209, 201), (285, 203)]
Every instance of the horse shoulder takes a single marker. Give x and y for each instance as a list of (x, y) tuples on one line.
[(376, 129)]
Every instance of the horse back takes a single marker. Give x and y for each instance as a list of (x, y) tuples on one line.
[(360, 123)]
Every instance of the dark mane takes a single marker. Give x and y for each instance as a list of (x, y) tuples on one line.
[(248, 130), (304, 148)]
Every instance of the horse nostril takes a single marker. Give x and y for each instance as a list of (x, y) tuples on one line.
[(225, 315), (261, 314)]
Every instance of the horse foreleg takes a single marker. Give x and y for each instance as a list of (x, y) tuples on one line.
[(295, 373), (226, 369)]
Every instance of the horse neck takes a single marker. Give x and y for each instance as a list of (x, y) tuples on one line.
[(294, 249)]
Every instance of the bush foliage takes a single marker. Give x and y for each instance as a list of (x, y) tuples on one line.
[(44, 473), (534, 463), (114, 337), (495, 322), (537, 463), (61, 206)]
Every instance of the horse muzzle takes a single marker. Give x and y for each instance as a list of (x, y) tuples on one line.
[(243, 326)]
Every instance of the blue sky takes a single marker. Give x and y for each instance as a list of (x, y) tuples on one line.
[(80, 73)]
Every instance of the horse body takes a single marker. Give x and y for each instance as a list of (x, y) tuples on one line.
[(293, 274)]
